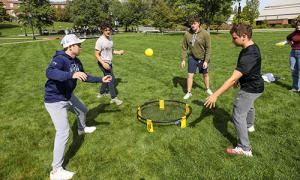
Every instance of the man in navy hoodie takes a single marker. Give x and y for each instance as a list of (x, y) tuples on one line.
[(62, 73)]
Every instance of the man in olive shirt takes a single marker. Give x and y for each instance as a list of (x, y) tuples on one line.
[(196, 44)]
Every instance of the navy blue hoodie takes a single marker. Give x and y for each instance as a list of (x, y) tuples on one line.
[(60, 84)]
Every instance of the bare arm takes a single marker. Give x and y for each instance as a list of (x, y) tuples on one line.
[(118, 52), (100, 60), (211, 100)]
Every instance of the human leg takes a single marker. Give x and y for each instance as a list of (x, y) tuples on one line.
[(242, 105), (294, 64), (59, 115), (103, 86), (192, 67), (81, 110)]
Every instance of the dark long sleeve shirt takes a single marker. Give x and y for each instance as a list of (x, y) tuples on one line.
[(60, 84), (294, 37)]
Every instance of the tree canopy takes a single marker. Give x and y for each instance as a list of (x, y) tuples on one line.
[(39, 13)]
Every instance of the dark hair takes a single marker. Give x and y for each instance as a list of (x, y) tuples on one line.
[(296, 22), (241, 29), (104, 25), (194, 19)]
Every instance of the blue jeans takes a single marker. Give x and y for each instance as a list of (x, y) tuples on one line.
[(295, 67), (110, 85)]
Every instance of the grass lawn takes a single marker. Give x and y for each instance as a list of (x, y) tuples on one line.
[(8, 29), (121, 148)]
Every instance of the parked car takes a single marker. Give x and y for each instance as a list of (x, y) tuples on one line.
[(45, 32)]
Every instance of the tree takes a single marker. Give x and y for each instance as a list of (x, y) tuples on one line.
[(210, 11), (161, 15), (62, 14), (213, 9), (249, 13), (184, 9), (134, 12), (38, 13), (3, 15), (89, 12)]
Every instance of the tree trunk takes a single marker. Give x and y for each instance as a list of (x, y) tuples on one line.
[(40, 31)]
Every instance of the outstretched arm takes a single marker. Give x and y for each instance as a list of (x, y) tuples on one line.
[(118, 52), (211, 100)]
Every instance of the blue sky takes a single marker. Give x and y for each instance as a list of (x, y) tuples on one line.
[(263, 3)]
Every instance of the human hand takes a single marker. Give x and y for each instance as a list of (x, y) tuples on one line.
[(107, 78), (80, 75), (205, 65), (183, 64), (236, 85), (106, 66), (210, 101)]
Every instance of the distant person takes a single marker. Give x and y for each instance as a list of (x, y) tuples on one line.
[(196, 44), (104, 53), (62, 74), (248, 74), (294, 41)]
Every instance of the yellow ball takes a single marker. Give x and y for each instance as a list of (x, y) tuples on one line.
[(149, 52)]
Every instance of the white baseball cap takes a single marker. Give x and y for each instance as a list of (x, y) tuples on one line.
[(70, 39)]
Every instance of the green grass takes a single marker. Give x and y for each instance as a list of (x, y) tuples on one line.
[(14, 29), (121, 148)]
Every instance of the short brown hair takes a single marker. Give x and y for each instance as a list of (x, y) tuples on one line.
[(241, 29), (194, 19)]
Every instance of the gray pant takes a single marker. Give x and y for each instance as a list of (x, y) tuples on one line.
[(59, 114), (243, 116)]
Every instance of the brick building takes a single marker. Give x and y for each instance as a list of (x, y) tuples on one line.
[(11, 6)]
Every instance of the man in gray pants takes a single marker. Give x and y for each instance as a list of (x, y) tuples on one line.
[(248, 75), (62, 73)]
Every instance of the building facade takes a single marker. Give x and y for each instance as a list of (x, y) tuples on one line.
[(12, 5), (279, 12)]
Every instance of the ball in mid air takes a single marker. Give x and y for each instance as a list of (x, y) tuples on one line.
[(149, 52)]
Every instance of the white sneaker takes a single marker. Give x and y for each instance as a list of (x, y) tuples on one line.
[(60, 174), (209, 92), (116, 100), (87, 130), (187, 95), (239, 151), (251, 128), (100, 95)]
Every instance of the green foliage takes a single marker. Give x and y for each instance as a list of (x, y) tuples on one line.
[(62, 14), (211, 11), (215, 10), (249, 13), (161, 15), (39, 13), (89, 12)]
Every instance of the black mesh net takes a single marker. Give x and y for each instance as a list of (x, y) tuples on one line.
[(171, 112)]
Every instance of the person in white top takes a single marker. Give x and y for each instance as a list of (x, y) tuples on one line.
[(104, 53)]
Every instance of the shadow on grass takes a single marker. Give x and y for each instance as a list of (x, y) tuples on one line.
[(221, 118), (90, 121), (280, 83), (8, 26), (182, 82)]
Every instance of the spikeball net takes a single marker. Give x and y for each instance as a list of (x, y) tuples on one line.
[(164, 112)]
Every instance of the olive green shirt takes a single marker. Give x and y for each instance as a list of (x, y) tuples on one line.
[(196, 44)]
